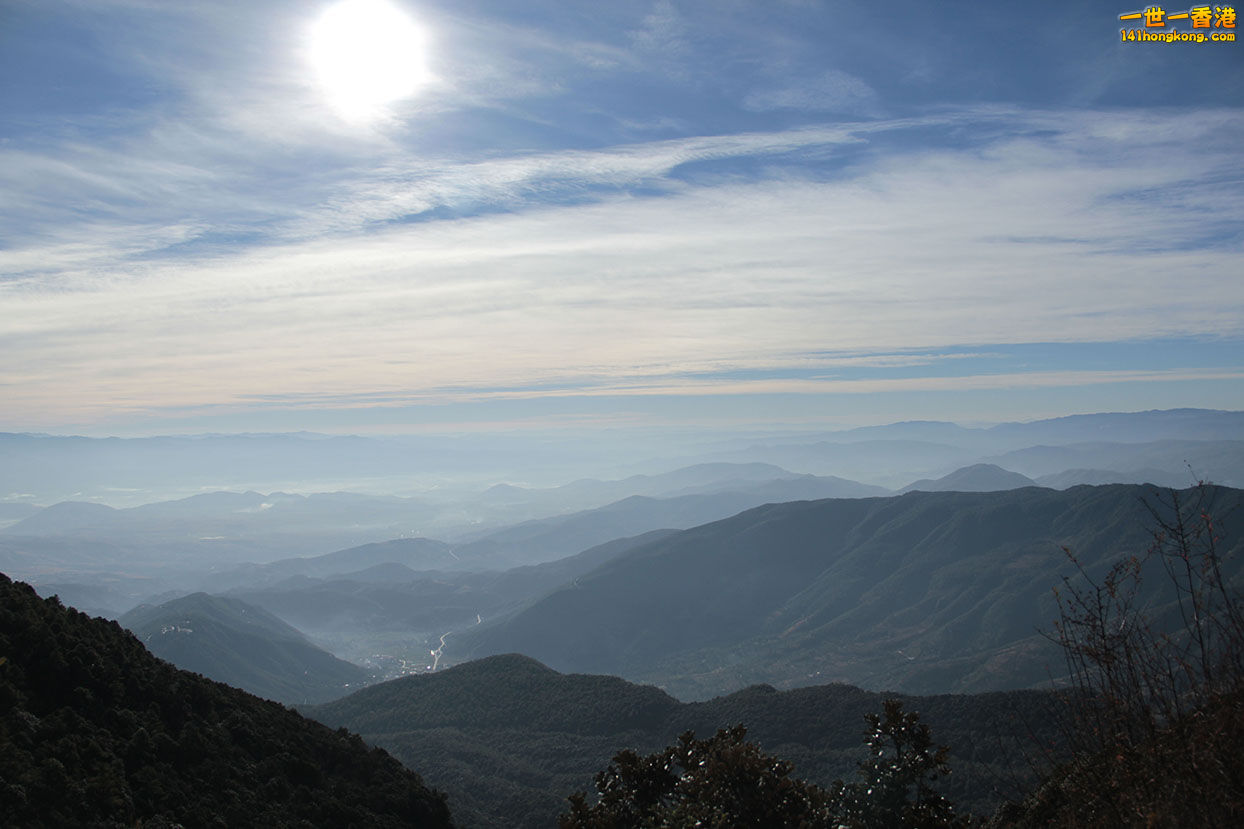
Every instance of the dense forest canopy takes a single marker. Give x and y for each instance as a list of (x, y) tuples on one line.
[(96, 731)]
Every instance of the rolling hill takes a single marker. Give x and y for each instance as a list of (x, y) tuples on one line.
[(508, 738), (415, 553), (980, 477), (242, 645)]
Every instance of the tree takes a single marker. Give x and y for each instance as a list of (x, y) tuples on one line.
[(725, 781), (898, 776), (719, 782), (1155, 657)]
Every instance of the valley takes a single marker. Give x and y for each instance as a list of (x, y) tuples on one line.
[(506, 662)]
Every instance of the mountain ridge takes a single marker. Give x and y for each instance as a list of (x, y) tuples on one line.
[(923, 592), (242, 645)]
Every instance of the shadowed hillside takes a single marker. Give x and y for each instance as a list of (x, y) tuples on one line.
[(242, 645), (96, 731), (509, 738), (925, 593)]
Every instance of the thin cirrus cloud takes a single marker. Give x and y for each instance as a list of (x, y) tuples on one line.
[(122, 186), (831, 91), (117, 188), (629, 295), (807, 223)]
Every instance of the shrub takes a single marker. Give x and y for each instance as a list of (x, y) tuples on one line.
[(725, 781), (1154, 717)]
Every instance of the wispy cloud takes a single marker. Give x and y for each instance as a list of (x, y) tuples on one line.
[(662, 32), (716, 387), (56, 192), (1062, 237), (198, 183), (831, 91), (609, 201)]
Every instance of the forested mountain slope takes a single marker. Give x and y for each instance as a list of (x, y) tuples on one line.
[(96, 731), (548, 539), (242, 645), (509, 738), (924, 593)]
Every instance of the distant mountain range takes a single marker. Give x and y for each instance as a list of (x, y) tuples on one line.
[(413, 553), (547, 539), (1179, 463), (1135, 444), (332, 592), (880, 592), (1119, 427), (687, 480), (929, 592), (231, 525), (244, 646), (111, 559), (202, 542), (219, 531), (50, 468), (55, 467), (419, 606)]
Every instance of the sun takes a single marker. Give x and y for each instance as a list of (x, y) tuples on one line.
[(366, 55)]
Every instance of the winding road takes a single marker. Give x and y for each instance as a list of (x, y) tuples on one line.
[(436, 654)]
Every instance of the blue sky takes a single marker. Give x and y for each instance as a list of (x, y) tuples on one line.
[(718, 215)]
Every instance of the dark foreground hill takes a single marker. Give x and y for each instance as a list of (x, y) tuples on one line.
[(242, 645), (508, 738), (928, 592), (95, 731)]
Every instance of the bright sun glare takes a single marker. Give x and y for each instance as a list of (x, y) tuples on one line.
[(366, 55)]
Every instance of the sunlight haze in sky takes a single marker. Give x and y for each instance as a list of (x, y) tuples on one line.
[(366, 55), (419, 216)]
